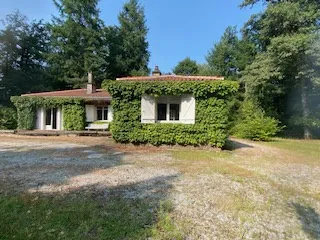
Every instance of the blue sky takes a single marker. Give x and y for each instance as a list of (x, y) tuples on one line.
[(177, 28)]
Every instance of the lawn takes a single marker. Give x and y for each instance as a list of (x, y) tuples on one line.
[(89, 188)]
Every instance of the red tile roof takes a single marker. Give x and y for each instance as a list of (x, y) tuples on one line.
[(171, 78), (78, 93)]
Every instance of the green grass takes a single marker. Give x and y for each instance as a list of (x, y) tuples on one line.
[(83, 216), (308, 148)]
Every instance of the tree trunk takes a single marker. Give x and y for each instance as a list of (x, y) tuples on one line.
[(305, 109)]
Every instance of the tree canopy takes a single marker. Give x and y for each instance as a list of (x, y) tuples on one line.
[(23, 46), (186, 67), (133, 44), (284, 73), (78, 42)]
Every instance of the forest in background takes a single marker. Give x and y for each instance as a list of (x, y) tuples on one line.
[(275, 57)]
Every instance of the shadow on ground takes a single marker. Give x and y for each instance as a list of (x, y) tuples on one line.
[(26, 167), (233, 144), (137, 208), (309, 218)]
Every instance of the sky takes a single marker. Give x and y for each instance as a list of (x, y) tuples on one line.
[(177, 28)]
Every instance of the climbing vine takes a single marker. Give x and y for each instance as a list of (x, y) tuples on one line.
[(212, 112), (73, 111)]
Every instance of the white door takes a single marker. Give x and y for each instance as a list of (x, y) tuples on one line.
[(51, 119)]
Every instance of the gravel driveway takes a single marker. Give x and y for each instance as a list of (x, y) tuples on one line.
[(253, 192)]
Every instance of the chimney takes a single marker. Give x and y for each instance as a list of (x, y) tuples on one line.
[(156, 71), (91, 88)]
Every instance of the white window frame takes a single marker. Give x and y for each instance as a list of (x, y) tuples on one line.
[(168, 100), (103, 108)]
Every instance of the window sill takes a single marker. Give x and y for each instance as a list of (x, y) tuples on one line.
[(164, 121)]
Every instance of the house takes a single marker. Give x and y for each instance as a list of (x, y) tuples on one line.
[(48, 108), (157, 109), (171, 109)]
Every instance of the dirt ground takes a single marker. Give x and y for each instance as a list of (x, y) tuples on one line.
[(250, 191)]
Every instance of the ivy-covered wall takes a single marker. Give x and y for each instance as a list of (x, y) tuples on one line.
[(74, 116), (212, 112)]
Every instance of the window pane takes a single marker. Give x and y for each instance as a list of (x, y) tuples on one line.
[(105, 113), (162, 111), (99, 113), (174, 112), (48, 116)]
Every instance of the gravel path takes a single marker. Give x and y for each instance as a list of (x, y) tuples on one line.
[(257, 192)]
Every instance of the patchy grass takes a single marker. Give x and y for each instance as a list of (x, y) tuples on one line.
[(305, 150), (84, 216), (210, 162), (251, 190)]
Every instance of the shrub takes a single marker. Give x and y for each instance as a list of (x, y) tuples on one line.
[(253, 124), (8, 118)]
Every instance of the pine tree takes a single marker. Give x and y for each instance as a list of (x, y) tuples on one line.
[(133, 48), (222, 57), (78, 43)]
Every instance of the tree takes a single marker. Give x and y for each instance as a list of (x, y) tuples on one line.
[(222, 57), (23, 46), (133, 54), (284, 35), (186, 67), (78, 42), (231, 55)]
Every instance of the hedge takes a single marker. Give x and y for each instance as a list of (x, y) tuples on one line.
[(73, 111), (212, 112)]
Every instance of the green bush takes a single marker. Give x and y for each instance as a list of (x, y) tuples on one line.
[(8, 118), (211, 127), (253, 124)]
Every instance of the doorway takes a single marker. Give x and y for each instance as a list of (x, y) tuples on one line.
[(51, 119)]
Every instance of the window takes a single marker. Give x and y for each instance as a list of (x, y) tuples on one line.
[(168, 109), (102, 113), (48, 116), (174, 112), (162, 112)]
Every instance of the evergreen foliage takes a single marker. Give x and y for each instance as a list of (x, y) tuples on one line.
[(186, 67), (23, 46), (8, 118), (133, 54), (284, 77), (252, 123), (78, 42), (230, 55)]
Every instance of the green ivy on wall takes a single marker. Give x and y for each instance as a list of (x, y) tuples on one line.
[(74, 117), (212, 112), (73, 111)]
